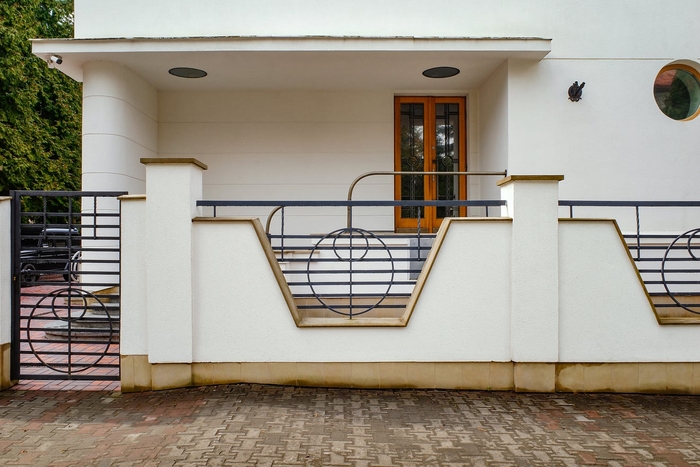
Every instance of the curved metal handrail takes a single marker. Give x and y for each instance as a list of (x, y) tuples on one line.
[(380, 172), (395, 173)]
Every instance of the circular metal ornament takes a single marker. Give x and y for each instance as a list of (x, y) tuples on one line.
[(447, 162), (55, 302), (690, 235), (414, 162), (351, 234)]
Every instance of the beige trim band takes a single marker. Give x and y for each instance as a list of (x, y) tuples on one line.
[(5, 381), (530, 178), (131, 197), (659, 378), (173, 160)]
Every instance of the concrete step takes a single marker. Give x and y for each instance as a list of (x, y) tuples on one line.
[(668, 312)]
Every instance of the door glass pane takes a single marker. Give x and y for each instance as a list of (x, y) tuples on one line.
[(447, 156), (412, 159)]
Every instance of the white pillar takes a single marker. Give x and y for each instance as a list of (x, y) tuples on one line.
[(532, 202), (134, 322), (120, 126), (5, 290), (173, 187)]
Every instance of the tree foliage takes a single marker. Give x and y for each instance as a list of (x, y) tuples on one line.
[(40, 107)]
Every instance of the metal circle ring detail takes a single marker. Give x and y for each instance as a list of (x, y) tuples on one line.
[(689, 237), (356, 289), (71, 306)]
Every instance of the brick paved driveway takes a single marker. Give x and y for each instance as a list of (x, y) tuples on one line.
[(242, 425)]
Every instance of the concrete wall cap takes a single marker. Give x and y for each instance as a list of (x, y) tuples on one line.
[(131, 197), (531, 178), (173, 160)]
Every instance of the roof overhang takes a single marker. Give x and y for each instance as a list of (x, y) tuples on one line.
[(380, 63)]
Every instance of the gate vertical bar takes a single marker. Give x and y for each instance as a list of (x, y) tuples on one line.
[(16, 219)]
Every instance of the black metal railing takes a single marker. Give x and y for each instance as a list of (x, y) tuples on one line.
[(351, 271), (66, 277), (663, 245)]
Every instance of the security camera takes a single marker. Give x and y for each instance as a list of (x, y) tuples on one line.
[(57, 59)]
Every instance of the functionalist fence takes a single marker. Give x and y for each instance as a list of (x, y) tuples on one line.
[(664, 249), (65, 300), (354, 270), (350, 270)]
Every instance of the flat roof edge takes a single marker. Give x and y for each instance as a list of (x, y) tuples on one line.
[(539, 46)]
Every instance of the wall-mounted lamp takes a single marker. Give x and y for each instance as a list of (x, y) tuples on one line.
[(54, 60), (576, 91)]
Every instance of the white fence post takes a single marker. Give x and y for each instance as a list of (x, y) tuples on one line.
[(173, 187), (532, 202), (5, 291)]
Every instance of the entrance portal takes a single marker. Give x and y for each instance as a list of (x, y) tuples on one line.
[(430, 136)]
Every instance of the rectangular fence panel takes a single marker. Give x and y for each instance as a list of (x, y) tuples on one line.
[(66, 278)]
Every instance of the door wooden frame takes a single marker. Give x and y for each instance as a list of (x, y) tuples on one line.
[(430, 222)]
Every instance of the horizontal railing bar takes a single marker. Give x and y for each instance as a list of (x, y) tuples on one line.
[(75, 194), (360, 296), (345, 203), (680, 294), (73, 352), (655, 204), (669, 271), (74, 238), (674, 305), (660, 259), (652, 236), (672, 282), (82, 342), (355, 260), (85, 368), (386, 237), (63, 376), (354, 283), (65, 319), (316, 272), (353, 307)]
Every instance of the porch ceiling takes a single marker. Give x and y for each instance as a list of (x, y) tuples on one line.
[(394, 63)]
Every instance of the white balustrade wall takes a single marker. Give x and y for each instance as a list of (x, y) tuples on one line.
[(498, 291)]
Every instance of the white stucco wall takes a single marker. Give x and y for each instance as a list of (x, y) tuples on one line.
[(120, 115), (615, 135), (172, 191), (605, 315), (293, 145), (462, 314), (134, 297), (591, 29), (5, 271), (613, 144), (493, 129)]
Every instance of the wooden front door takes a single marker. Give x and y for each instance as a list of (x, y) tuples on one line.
[(429, 136)]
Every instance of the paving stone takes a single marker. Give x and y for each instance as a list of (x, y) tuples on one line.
[(254, 425)]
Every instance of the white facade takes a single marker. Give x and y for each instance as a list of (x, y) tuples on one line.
[(299, 99), (299, 96)]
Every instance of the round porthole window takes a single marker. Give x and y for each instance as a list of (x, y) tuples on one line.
[(677, 92)]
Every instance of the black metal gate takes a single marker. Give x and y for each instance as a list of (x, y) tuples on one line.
[(66, 280)]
